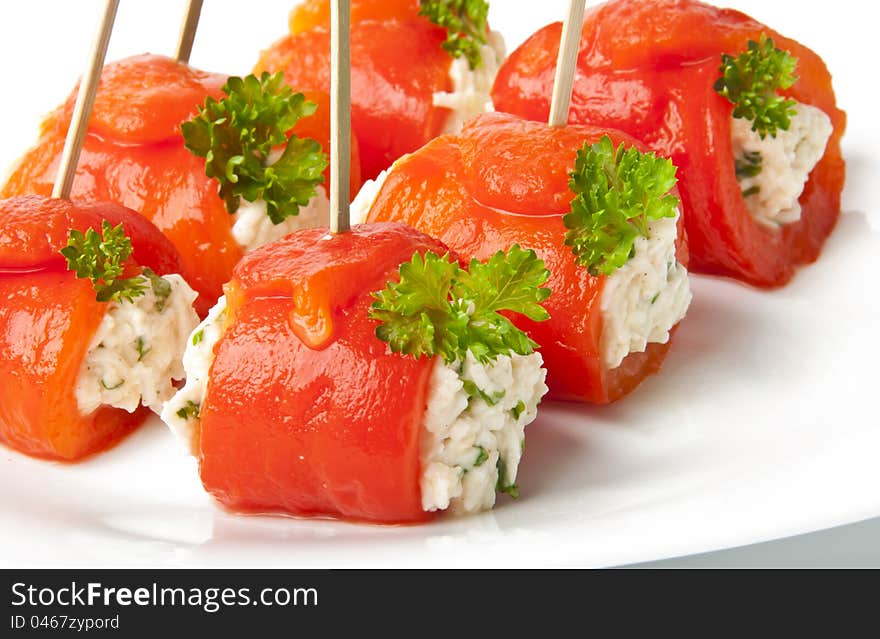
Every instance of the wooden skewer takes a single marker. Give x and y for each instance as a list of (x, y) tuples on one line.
[(188, 30), (566, 63), (340, 114), (85, 98)]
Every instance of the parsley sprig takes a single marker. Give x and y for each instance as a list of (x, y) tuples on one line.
[(466, 24), (236, 134), (101, 258), (617, 192), (438, 308), (751, 81)]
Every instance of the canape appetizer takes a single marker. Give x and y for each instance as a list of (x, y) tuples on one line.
[(93, 322), (600, 212), (136, 154), (419, 68), (747, 115), (365, 375)]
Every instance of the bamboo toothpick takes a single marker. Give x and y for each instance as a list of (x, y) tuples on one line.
[(340, 114), (85, 98), (188, 30), (566, 63)]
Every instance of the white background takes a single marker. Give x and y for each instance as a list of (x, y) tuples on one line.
[(763, 423)]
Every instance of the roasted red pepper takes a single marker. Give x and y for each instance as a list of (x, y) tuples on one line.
[(398, 63), (648, 68), (307, 411), (134, 155), (504, 181), (48, 318)]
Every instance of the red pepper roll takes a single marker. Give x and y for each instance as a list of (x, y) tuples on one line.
[(505, 181), (134, 154), (650, 69), (48, 318), (295, 404), (403, 82)]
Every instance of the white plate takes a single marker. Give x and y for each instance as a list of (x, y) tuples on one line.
[(763, 423)]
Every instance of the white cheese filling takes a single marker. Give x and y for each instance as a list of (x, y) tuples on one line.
[(135, 353), (253, 228), (646, 297), (181, 412), (785, 163), (471, 88), (472, 439)]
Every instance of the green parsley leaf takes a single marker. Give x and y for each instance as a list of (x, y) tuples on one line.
[(140, 344), (617, 192), (416, 314), (161, 289), (101, 258), (475, 392), (749, 165), (482, 456), (466, 24), (751, 81), (504, 485), (438, 308), (198, 337), (518, 410), (189, 411), (236, 135)]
